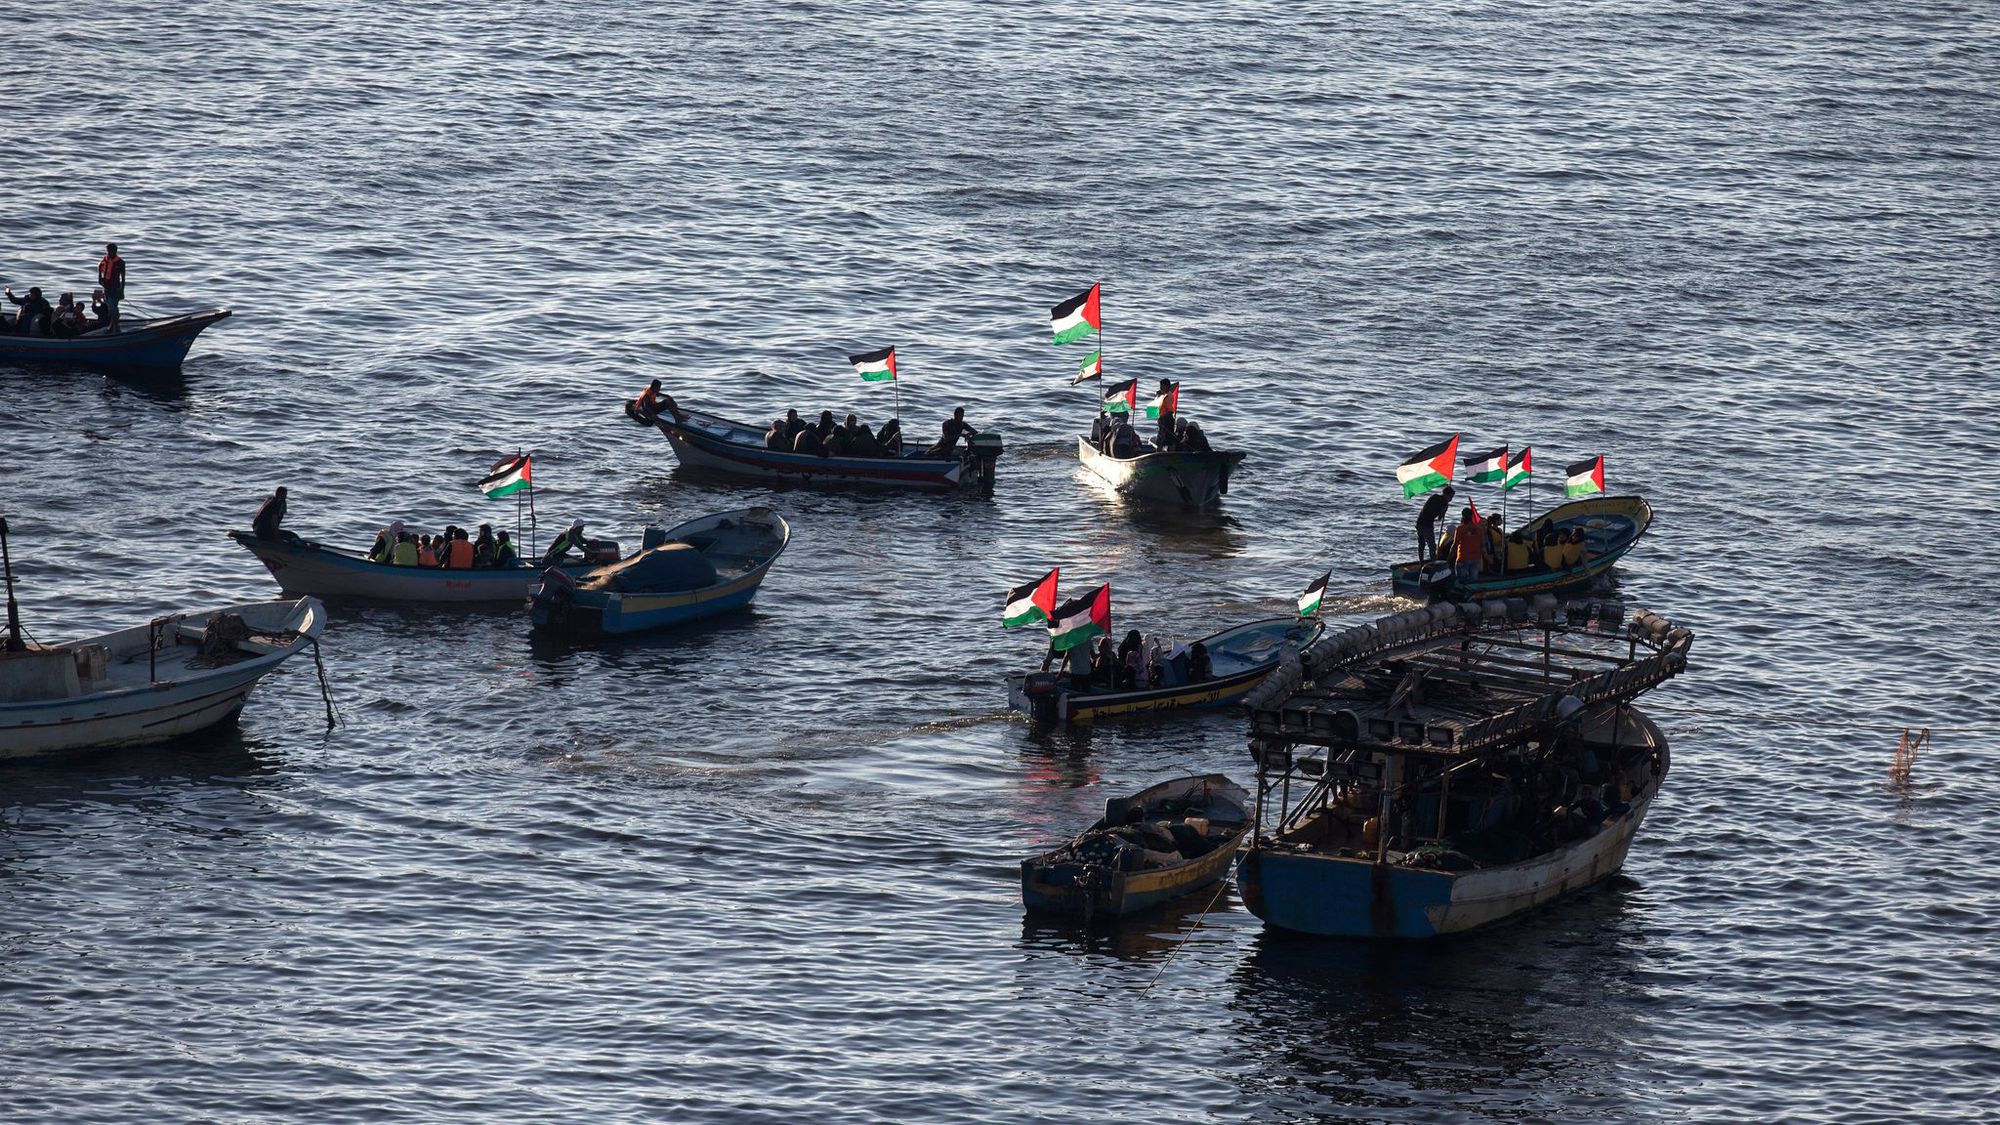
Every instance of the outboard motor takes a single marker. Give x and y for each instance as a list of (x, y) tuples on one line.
[(556, 593), (653, 536), (601, 551), (981, 451), (1042, 690)]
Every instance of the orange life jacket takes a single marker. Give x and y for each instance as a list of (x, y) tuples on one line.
[(1471, 542), (459, 555), (426, 557), (107, 271)]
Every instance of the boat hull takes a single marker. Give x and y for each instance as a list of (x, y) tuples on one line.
[(712, 444), (1058, 882), (1049, 698), (1190, 480), (305, 568), (579, 610), (1611, 525), (162, 342)]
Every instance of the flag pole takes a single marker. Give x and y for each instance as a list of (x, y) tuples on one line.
[(534, 528)]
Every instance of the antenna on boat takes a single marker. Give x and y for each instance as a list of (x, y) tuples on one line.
[(14, 642)]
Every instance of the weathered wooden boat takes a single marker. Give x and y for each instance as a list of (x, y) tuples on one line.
[(1610, 526), (716, 444), (699, 569), (304, 567), (1192, 480), (1449, 768), (153, 342), (1239, 659), (173, 676), (1163, 842)]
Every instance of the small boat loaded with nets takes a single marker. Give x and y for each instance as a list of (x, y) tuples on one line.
[(1159, 844), (1449, 768), (699, 569), (1610, 526)]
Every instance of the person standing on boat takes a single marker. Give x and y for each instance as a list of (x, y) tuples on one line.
[(955, 427), (111, 278), (270, 514), (1469, 546), (1427, 519), (1166, 438)]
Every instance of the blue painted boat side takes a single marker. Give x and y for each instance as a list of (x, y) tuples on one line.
[(637, 614), (1331, 896), (158, 343)]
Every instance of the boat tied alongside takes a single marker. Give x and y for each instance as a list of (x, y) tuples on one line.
[(1448, 768), (699, 569), (1163, 842)]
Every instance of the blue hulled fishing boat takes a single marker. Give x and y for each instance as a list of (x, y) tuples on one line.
[(1610, 525), (156, 342), (699, 569)]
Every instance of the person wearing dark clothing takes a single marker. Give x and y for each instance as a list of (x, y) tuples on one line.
[(35, 314), (826, 428), (1427, 518), (570, 540), (1191, 439), (774, 438), (1545, 543), (1123, 441), (793, 424), (503, 550), (1098, 427), (1127, 667), (111, 278), (1166, 436), (808, 442), (269, 515), (855, 440), (890, 438), (482, 548), (955, 427), (1199, 668)]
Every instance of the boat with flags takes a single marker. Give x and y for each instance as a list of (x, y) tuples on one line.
[(712, 443), (1161, 843), (158, 342), (172, 676), (1446, 769), (1604, 528), (1192, 480), (701, 568)]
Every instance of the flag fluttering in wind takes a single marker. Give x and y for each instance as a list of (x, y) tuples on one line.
[(1028, 604), (509, 475), (1079, 620), (1169, 402), (1585, 477), (1091, 367), (1421, 472), (1487, 468), (1120, 398), (1315, 593), (1075, 318), (1522, 468), (876, 367)]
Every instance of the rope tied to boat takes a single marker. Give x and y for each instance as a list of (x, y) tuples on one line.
[(1220, 886), (325, 690)]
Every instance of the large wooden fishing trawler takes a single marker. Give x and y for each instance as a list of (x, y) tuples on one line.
[(1448, 768)]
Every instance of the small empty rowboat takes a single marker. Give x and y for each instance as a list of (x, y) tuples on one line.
[(1610, 525), (304, 567), (702, 568), (1191, 480), (1239, 659), (1159, 844), (156, 342), (716, 444), (174, 676)]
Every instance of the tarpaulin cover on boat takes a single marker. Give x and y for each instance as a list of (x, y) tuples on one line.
[(668, 569)]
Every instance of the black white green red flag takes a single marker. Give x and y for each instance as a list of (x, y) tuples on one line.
[(1169, 402), (1080, 620), (1522, 468), (509, 475), (876, 367), (1030, 603), (1075, 318), (1091, 367), (1315, 594), (1120, 398), (1585, 477), (1487, 468), (1430, 468)]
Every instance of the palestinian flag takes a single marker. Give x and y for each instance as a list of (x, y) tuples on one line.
[(1079, 620), (1315, 593), (1075, 318), (1031, 603), (1585, 477), (1522, 468), (509, 475), (1429, 469), (1091, 367), (1487, 468), (1121, 398), (1169, 402), (875, 367)]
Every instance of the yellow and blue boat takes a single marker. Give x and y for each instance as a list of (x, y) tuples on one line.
[(699, 569), (1610, 526), (1239, 659)]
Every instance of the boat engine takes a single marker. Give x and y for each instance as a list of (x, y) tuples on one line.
[(1043, 691), (556, 593), (981, 451)]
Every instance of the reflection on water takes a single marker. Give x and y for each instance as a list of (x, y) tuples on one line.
[(1148, 937), (222, 755), (1534, 1019)]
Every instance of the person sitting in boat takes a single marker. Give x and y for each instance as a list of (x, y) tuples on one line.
[(1547, 553), (427, 552), (482, 548), (1579, 547), (404, 553), (652, 400), (856, 440), (1104, 666), (35, 314), (385, 542), (69, 320), (890, 438), (1519, 553), (955, 427), (503, 551), (1428, 516), (1131, 656), (1123, 441), (1191, 439), (793, 425), (100, 309), (457, 551), (808, 441), (775, 437), (1199, 668), (570, 540), (1468, 546), (1494, 558), (271, 513)]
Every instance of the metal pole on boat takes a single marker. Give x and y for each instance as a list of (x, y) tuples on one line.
[(14, 642)]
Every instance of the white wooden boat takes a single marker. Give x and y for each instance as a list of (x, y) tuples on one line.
[(173, 676), (1192, 480)]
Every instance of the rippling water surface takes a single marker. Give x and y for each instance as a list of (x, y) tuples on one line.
[(765, 870)]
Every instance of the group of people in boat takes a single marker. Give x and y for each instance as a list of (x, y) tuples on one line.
[(453, 550), (850, 438), (67, 318), (1479, 547), (1114, 435), (1134, 664)]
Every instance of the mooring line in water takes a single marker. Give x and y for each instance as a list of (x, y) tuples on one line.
[(1221, 885), (325, 690), (1887, 725)]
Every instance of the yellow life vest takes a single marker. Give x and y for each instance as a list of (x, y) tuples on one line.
[(404, 554)]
